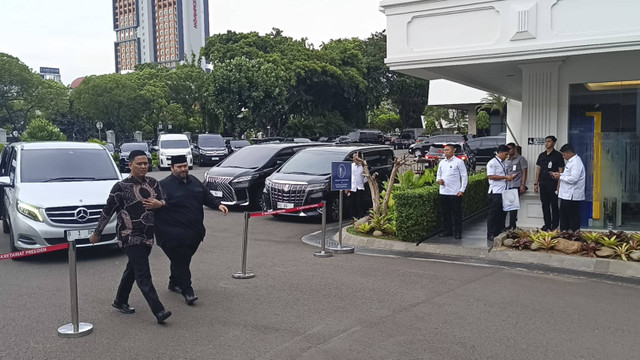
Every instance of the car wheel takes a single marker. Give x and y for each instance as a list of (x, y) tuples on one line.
[(333, 213), (258, 201), (5, 226)]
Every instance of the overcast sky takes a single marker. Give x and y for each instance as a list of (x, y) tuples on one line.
[(77, 35)]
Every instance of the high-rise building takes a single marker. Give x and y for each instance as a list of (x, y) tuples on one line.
[(48, 73), (159, 31)]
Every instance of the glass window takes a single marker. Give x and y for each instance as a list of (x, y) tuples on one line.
[(128, 147), (62, 165), (174, 144), (604, 130), (250, 157), (312, 162)]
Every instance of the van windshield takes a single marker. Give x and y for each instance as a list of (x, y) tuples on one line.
[(312, 162), (211, 141), (129, 147), (174, 144), (48, 165), (250, 157)]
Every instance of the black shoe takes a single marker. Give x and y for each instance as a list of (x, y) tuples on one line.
[(458, 236), (445, 234), (190, 299), (544, 228), (124, 308), (162, 316), (175, 289)]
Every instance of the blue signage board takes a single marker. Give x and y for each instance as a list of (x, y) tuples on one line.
[(340, 175), (48, 70)]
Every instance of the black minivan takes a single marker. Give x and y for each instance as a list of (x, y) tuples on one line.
[(305, 178), (209, 149), (239, 179)]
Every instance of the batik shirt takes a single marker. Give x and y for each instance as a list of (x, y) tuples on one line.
[(135, 223)]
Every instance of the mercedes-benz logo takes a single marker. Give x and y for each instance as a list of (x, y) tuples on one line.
[(82, 214)]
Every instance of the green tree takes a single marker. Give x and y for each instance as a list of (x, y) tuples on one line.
[(495, 103), (384, 120), (430, 125), (483, 121), (41, 129), (436, 115), (458, 119)]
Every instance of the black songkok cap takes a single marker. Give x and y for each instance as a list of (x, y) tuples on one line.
[(178, 159)]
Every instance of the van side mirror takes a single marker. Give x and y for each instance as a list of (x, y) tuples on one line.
[(5, 181)]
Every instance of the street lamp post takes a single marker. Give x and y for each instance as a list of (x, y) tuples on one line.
[(268, 130)]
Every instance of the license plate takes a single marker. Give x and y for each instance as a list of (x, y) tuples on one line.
[(282, 205), (216, 193), (215, 158), (79, 234)]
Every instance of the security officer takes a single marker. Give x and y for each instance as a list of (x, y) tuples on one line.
[(179, 223), (452, 177), (498, 178), (549, 161)]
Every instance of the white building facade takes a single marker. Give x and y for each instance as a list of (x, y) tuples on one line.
[(571, 68)]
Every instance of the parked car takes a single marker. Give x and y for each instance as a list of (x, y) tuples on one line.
[(110, 148), (305, 178), (297, 140), (209, 149), (485, 147), (171, 145), (236, 145), (421, 148), (126, 148), (463, 152), (50, 187), (368, 136), (239, 179), (407, 138), (344, 139)]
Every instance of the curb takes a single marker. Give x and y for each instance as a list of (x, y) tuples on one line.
[(577, 265)]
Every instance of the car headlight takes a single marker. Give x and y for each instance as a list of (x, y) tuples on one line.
[(30, 211), (243, 178), (202, 152), (316, 186), (162, 153)]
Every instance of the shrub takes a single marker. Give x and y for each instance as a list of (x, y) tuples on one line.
[(154, 159), (96, 141), (418, 213), (40, 129)]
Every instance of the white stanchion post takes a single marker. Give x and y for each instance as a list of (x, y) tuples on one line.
[(245, 240), (323, 252)]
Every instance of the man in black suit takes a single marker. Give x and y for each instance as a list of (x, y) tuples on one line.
[(179, 224)]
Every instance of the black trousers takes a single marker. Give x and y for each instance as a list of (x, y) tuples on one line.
[(497, 216), (180, 256), (549, 201), (138, 270), (451, 210), (357, 204), (569, 215)]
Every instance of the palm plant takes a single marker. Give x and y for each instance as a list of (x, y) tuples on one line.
[(591, 237), (622, 250), (496, 103), (610, 242)]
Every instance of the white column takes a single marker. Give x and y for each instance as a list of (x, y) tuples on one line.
[(540, 91)]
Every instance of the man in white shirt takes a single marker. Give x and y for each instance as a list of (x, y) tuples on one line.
[(357, 205), (571, 192), (498, 178), (452, 177)]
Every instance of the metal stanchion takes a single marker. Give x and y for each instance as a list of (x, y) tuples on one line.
[(323, 253), (245, 239), (75, 328), (341, 249)]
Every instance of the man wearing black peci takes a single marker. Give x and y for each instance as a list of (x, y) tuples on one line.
[(134, 200), (179, 224), (549, 161)]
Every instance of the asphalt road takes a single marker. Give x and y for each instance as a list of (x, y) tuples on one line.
[(302, 307)]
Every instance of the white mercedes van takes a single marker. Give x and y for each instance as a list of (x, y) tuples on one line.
[(171, 145), (50, 187)]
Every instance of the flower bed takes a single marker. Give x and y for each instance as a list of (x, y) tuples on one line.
[(614, 245)]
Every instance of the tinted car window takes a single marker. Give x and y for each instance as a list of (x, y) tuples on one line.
[(250, 157), (129, 147), (439, 149), (62, 165), (312, 162), (174, 144), (211, 141), (239, 143)]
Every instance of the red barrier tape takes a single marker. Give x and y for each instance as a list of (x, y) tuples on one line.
[(31, 252), (283, 211)]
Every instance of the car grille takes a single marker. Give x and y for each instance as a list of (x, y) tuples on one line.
[(219, 183), (73, 215), (288, 193)]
